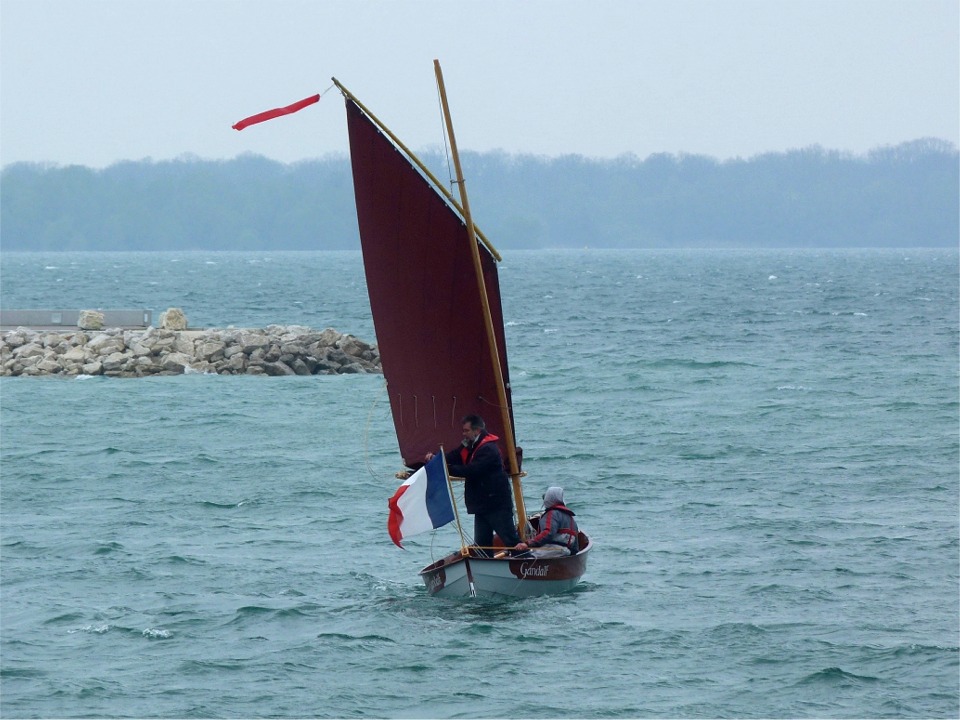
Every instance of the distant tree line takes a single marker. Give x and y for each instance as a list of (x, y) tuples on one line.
[(899, 196)]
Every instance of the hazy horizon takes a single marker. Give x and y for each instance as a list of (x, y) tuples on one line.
[(96, 82)]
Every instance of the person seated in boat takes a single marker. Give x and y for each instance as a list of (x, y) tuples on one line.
[(487, 492), (558, 529)]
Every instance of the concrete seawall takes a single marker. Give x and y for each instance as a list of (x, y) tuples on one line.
[(116, 352)]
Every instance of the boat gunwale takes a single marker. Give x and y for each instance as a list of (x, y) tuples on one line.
[(456, 557)]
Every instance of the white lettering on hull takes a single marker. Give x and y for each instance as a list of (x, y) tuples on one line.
[(533, 570)]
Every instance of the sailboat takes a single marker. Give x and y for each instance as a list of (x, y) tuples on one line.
[(435, 298)]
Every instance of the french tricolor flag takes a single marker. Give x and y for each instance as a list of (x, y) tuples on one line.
[(422, 503)]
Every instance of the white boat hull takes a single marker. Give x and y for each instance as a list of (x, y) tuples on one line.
[(457, 576)]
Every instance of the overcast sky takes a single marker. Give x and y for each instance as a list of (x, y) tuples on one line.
[(93, 82)]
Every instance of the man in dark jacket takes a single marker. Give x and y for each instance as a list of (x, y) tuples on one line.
[(558, 530), (486, 491)]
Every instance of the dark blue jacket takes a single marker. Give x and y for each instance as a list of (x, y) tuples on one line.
[(487, 486)]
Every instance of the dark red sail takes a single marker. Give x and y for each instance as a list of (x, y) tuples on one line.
[(424, 297)]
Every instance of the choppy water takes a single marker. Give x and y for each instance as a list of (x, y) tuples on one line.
[(764, 447)]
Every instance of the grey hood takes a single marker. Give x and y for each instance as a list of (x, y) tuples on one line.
[(553, 496)]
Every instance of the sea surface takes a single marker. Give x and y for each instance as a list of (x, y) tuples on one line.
[(763, 446)]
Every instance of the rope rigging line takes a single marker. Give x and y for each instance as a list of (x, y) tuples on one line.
[(366, 432), (332, 86), (446, 147), (491, 403), (464, 536)]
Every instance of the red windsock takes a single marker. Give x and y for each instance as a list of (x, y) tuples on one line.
[(276, 112)]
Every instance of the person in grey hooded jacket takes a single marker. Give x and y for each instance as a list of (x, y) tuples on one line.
[(558, 528)]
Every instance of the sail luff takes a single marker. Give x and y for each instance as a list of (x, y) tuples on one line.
[(488, 321)]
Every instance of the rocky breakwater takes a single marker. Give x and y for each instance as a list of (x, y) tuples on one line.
[(275, 350)]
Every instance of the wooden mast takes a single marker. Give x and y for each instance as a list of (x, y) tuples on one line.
[(487, 319)]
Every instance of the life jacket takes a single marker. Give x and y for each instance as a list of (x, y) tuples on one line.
[(565, 536), (467, 453)]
